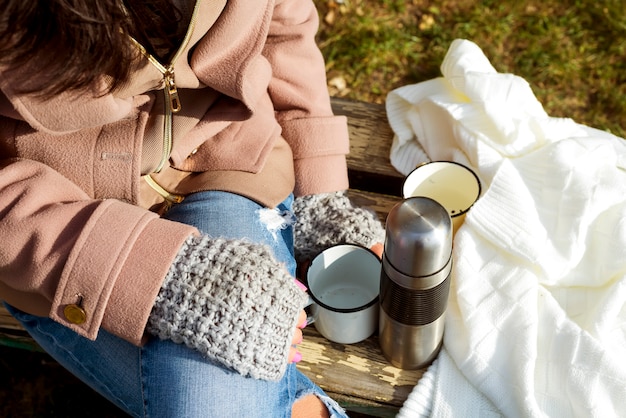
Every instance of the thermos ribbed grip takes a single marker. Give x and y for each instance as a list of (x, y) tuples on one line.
[(413, 307)]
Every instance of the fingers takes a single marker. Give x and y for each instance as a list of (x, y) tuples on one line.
[(297, 338), (302, 320), (294, 355), (378, 249)]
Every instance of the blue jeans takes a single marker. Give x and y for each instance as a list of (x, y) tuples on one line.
[(164, 379)]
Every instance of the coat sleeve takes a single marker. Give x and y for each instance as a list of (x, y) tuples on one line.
[(106, 255), (298, 89)]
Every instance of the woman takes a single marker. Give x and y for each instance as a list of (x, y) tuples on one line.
[(150, 154)]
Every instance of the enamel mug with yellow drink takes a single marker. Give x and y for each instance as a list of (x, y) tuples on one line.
[(451, 184)]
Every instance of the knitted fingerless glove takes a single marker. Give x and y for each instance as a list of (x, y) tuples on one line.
[(327, 219), (231, 301)]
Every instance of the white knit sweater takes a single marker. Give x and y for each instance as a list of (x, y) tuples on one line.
[(536, 321)]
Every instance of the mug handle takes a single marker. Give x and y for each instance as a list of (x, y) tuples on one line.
[(309, 313), (307, 308)]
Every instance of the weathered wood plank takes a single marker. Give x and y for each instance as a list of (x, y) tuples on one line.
[(356, 372), (369, 167), (7, 321), (379, 203), (365, 406), (370, 137)]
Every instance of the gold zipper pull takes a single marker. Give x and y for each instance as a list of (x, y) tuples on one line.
[(172, 91)]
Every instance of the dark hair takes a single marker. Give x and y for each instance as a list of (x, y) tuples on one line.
[(58, 45)]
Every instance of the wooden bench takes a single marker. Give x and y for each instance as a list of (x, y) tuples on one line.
[(357, 375)]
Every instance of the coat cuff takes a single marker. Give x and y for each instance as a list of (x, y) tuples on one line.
[(138, 285), (317, 137), (320, 146), (320, 175), (130, 250)]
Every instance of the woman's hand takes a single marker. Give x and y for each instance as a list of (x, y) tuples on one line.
[(327, 219), (294, 355), (218, 291)]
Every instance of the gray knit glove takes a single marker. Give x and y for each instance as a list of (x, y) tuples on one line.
[(327, 219), (233, 302)]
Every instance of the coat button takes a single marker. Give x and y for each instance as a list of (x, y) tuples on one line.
[(75, 314)]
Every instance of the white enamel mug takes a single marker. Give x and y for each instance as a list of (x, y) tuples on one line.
[(452, 185), (344, 283)]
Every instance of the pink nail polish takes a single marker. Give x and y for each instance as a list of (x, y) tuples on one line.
[(300, 285), (297, 357)]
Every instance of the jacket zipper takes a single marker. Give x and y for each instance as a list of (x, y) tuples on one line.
[(170, 91)]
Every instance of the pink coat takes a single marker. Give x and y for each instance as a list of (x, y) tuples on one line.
[(70, 167)]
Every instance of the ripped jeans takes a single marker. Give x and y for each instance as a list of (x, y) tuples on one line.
[(164, 379)]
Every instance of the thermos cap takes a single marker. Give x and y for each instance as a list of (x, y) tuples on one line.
[(419, 236)]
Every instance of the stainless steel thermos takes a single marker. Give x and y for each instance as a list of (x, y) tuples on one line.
[(415, 282)]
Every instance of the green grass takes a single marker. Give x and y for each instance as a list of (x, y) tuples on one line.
[(572, 52)]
